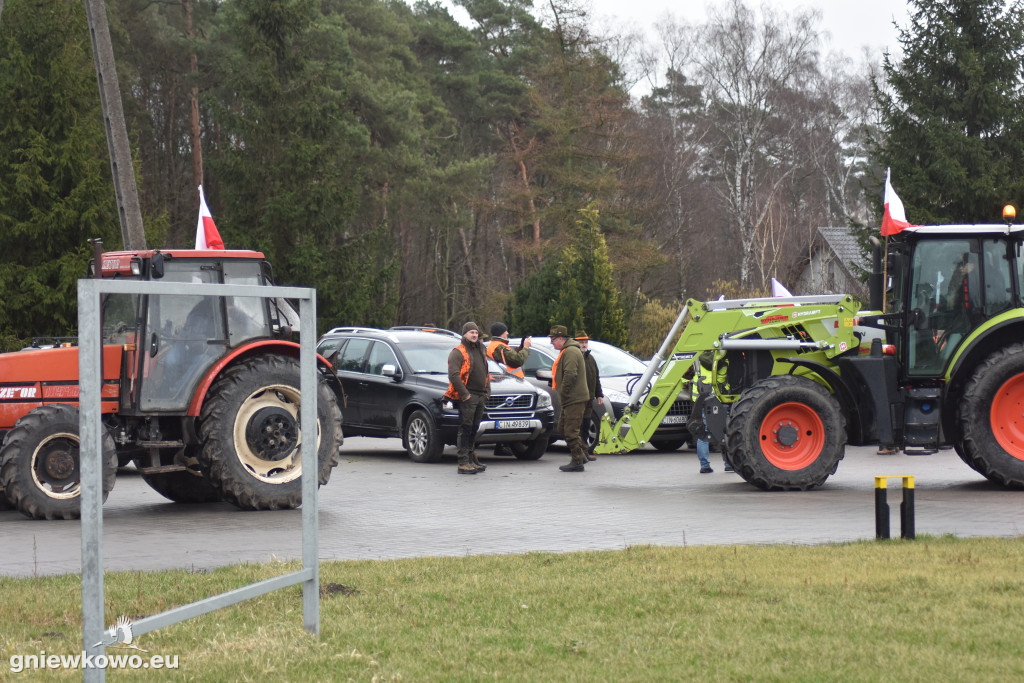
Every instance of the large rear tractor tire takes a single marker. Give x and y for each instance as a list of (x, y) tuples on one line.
[(991, 420), (189, 486), (249, 428), (785, 433), (40, 471)]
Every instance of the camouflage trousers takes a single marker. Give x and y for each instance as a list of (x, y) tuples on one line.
[(471, 411), (569, 427)]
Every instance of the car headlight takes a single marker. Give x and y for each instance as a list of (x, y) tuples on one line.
[(543, 399)]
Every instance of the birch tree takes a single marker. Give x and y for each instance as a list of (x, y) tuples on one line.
[(747, 64)]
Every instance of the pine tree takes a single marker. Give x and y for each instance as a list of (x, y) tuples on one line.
[(953, 111), (55, 187), (576, 289)]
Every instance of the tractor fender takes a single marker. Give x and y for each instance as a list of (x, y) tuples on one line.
[(997, 333), (266, 346)]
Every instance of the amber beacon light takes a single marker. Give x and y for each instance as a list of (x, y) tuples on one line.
[(1009, 213)]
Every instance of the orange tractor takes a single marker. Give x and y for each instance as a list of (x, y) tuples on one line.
[(200, 392)]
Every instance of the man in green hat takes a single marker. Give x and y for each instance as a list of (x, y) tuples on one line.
[(593, 388), (569, 379)]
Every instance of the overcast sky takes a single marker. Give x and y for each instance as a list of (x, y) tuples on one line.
[(852, 24)]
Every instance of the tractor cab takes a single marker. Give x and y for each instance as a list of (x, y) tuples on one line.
[(172, 341), (951, 283)]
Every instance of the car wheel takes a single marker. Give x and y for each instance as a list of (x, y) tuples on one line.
[(667, 444), (530, 450), (421, 438)]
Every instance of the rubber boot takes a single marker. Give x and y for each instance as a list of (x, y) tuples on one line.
[(476, 462), (466, 465)]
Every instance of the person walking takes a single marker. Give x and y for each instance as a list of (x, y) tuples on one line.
[(499, 350), (699, 392), (569, 379), (593, 387), (468, 387)]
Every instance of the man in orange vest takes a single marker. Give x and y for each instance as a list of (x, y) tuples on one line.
[(569, 378), (499, 350), (469, 387)]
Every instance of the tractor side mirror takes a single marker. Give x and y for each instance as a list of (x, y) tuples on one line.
[(156, 266)]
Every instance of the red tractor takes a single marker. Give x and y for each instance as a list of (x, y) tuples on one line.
[(201, 392)]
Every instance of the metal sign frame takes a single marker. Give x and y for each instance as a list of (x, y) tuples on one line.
[(91, 430)]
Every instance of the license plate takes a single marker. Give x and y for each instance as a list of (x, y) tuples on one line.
[(674, 420), (511, 424)]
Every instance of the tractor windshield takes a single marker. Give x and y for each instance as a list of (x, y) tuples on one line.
[(956, 284), (119, 316), (185, 336)]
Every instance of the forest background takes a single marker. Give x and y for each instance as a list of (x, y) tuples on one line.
[(418, 171)]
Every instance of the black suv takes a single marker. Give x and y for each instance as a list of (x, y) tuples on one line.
[(395, 381)]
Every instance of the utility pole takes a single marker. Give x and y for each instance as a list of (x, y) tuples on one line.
[(128, 210)]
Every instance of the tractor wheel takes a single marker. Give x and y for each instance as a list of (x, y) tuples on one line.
[(189, 486), (958, 447), (421, 439), (530, 450), (39, 467), (785, 433), (667, 445), (991, 419), (249, 428)]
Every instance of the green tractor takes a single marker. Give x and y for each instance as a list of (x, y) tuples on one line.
[(796, 379)]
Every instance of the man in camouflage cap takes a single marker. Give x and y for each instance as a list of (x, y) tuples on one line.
[(594, 389), (569, 379)]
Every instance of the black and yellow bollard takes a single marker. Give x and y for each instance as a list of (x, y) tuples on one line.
[(906, 507)]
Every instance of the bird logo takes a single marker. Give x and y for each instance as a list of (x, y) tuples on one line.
[(121, 632)]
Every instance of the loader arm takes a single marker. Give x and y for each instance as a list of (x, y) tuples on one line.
[(817, 327)]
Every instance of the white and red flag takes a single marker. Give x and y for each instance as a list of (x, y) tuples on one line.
[(895, 218), (207, 236)]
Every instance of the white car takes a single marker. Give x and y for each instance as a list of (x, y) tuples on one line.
[(620, 371)]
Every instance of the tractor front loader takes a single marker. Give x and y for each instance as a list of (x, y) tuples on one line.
[(940, 364), (200, 392)]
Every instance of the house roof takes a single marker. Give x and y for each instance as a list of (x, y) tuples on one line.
[(843, 243)]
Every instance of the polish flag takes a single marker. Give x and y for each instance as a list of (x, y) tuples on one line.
[(207, 236), (895, 219)]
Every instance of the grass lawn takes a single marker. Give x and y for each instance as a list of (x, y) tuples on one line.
[(931, 609)]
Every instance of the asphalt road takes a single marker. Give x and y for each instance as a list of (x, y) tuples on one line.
[(380, 505)]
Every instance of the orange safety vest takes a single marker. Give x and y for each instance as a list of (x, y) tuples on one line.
[(495, 343), (554, 369), (463, 375)]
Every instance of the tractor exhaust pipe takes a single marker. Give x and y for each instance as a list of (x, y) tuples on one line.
[(97, 258), (876, 280), (652, 367)]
